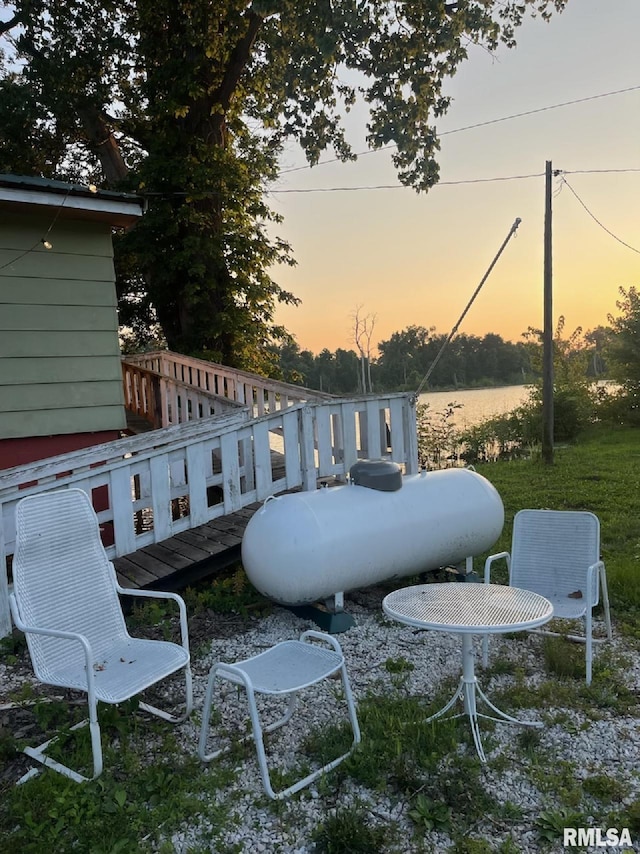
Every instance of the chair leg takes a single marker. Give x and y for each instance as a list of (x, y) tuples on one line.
[(351, 707), (256, 725), (602, 580), (259, 742), (166, 716), (258, 733), (96, 742), (206, 715), (589, 642), (38, 753), (291, 705), (314, 775), (605, 601)]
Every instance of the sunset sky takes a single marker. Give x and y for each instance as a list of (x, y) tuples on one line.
[(416, 259)]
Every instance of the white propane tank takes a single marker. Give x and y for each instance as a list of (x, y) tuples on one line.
[(308, 546)]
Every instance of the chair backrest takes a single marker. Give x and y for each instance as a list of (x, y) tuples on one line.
[(62, 578), (551, 551)]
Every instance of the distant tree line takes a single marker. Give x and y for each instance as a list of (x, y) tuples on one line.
[(405, 358), (468, 361)]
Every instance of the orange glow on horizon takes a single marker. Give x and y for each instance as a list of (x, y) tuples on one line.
[(416, 259)]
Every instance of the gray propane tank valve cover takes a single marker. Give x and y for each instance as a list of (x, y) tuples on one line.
[(383, 475)]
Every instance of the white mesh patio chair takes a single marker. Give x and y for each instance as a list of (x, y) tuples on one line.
[(281, 671), (65, 599), (557, 553)]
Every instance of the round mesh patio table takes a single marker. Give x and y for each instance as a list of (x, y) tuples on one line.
[(469, 609)]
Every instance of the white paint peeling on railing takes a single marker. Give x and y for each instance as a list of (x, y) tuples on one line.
[(149, 487)]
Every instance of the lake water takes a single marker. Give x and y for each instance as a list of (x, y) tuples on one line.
[(478, 404)]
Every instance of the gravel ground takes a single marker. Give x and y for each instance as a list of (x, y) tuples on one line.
[(605, 743), (609, 745)]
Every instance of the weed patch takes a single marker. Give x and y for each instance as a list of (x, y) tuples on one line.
[(349, 830)]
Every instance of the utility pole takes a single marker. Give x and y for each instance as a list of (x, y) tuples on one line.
[(547, 335)]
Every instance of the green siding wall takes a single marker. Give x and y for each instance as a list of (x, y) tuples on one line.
[(23, 231), (59, 368), (41, 264), (48, 396), (55, 343), (38, 292), (68, 318), (26, 424), (59, 353)]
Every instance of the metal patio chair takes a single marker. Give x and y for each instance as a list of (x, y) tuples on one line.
[(557, 553), (65, 599), (281, 671)]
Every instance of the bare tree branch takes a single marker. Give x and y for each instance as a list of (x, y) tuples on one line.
[(362, 333), (18, 18)]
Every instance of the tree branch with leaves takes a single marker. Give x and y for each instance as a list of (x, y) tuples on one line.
[(190, 103)]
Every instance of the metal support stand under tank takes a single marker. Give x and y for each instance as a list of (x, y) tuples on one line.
[(330, 616), (463, 573)]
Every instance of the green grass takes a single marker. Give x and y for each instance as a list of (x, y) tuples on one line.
[(144, 789), (349, 830), (122, 811), (228, 593)]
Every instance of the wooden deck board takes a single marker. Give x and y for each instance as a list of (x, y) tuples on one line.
[(168, 556), (187, 556), (130, 574), (183, 549), (211, 546), (149, 566), (225, 525)]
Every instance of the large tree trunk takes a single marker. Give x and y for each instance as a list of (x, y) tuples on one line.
[(103, 143), (206, 298), (194, 292)]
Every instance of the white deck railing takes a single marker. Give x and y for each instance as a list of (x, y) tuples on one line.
[(211, 379), (147, 488), (164, 402)]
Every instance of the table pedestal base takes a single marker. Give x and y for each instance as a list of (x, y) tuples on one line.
[(467, 691)]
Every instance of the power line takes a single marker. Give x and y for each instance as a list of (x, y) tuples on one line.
[(540, 110), (404, 187), (593, 217), (461, 182), (596, 171), (478, 125)]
